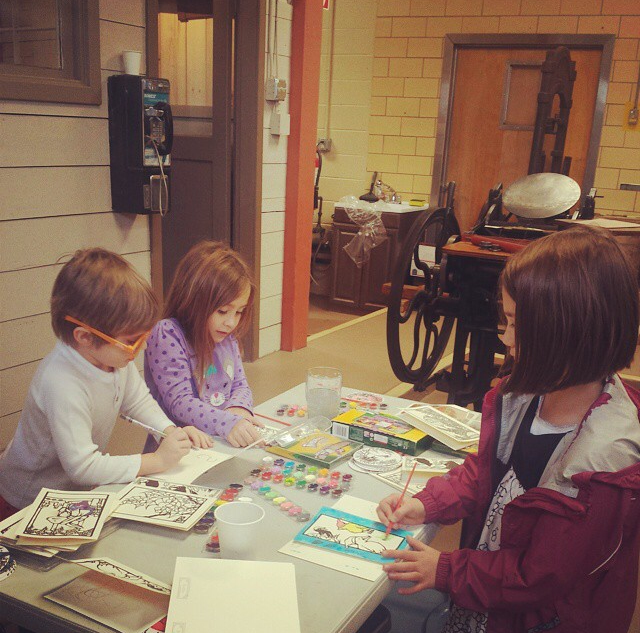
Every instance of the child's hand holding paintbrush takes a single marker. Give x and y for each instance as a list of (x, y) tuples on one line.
[(417, 565)]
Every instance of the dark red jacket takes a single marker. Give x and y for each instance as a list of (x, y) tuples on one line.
[(568, 558)]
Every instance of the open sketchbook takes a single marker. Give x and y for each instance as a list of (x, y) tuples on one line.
[(211, 595)]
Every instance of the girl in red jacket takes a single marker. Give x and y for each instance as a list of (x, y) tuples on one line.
[(550, 503)]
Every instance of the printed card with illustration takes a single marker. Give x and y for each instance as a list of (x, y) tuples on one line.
[(161, 506), (428, 464), (120, 606), (192, 489), (350, 534), (442, 426), (61, 516), (117, 570)]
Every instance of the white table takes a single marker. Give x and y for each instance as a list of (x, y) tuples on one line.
[(329, 601)]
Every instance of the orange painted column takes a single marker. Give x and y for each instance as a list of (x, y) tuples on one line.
[(306, 39)]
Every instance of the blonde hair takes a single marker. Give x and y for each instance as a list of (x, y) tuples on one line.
[(209, 276), (101, 289)]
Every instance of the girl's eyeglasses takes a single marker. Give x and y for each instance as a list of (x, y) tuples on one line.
[(132, 349)]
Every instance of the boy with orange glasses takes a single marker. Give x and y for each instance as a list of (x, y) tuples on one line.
[(101, 312)]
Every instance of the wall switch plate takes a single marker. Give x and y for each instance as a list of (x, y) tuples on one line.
[(280, 124), (275, 89)]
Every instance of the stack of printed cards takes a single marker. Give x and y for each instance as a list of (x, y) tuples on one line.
[(454, 426), (58, 520)]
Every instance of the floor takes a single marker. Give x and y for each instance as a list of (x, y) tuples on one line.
[(323, 315)]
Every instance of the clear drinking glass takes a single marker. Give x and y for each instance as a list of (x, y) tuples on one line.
[(323, 392)]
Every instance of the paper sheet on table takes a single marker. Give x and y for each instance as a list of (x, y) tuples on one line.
[(342, 562), (192, 465), (211, 595)]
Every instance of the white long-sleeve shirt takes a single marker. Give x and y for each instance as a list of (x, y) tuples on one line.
[(66, 423)]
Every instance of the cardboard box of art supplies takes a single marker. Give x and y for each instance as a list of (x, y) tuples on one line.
[(380, 429), (454, 426), (310, 444)]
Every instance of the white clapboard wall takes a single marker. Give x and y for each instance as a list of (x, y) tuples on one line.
[(55, 198)]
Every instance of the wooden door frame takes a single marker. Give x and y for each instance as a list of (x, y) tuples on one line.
[(241, 182), (455, 42), (306, 43)]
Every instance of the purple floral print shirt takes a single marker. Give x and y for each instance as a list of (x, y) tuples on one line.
[(169, 368)]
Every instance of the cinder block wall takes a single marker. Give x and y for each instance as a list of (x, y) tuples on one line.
[(407, 64)]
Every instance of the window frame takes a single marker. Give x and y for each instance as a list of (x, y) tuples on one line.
[(41, 84)]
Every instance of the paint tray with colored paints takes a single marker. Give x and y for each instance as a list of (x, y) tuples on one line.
[(349, 534), (316, 447)]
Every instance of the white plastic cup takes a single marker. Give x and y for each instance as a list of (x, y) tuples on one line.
[(131, 61), (239, 529), (323, 390)]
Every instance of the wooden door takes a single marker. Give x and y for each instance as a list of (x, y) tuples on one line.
[(196, 56), (492, 115)]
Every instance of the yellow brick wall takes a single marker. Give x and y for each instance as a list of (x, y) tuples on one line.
[(346, 72), (407, 64)]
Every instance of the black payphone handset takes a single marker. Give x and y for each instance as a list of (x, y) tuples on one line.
[(158, 133), (158, 127), (140, 142)]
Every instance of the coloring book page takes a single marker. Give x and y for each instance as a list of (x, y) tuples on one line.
[(352, 565), (161, 506), (125, 608), (397, 479), (440, 425), (192, 489), (192, 465), (63, 515), (117, 570), (346, 533)]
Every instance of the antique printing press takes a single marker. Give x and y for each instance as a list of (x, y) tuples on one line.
[(444, 279)]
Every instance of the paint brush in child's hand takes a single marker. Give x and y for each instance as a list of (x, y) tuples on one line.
[(128, 418), (388, 531)]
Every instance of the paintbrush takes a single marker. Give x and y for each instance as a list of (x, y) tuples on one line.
[(128, 418), (388, 531)]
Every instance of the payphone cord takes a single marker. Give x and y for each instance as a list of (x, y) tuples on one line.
[(163, 212)]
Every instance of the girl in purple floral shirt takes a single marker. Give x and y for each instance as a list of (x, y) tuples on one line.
[(192, 362)]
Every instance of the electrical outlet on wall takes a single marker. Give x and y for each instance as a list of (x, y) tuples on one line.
[(275, 89), (324, 145)]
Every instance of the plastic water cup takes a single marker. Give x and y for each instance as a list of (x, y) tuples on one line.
[(239, 529), (323, 392), (131, 61)]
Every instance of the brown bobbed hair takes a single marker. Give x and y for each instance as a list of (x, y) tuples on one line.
[(101, 289), (576, 315), (211, 275)]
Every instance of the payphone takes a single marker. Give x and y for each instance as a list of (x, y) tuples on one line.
[(140, 139)]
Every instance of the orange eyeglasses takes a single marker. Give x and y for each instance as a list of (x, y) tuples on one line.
[(132, 349)]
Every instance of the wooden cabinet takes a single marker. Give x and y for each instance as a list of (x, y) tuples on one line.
[(362, 287)]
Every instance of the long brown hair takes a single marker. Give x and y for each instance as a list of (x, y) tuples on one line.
[(101, 289), (576, 315), (209, 276)]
